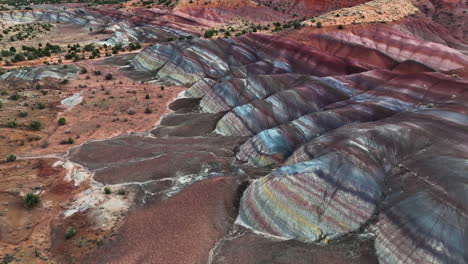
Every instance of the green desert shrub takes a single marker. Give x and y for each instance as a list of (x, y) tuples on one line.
[(70, 232), (108, 76), (41, 105), (31, 200), (10, 158), (67, 141), (11, 124), (14, 97), (35, 125), (61, 121)]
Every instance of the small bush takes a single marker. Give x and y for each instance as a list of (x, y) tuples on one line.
[(319, 24), (23, 114), (210, 33), (11, 124), (147, 97), (44, 144), (108, 76), (67, 141), (148, 110), (35, 125), (107, 190), (70, 232), (61, 121), (97, 72), (10, 158), (7, 259), (41, 106), (14, 97), (31, 200), (121, 192), (340, 27), (64, 81), (83, 70)]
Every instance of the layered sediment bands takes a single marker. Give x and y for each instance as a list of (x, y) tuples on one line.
[(313, 200), (187, 62), (41, 72), (311, 96), (392, 93), (428, 211), (365, 128), (193, 62), (386, 46), (309, 7), (126, 26), (422, 28), (226, 95), (334, 183)]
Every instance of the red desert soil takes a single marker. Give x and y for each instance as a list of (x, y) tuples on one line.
[(109, 108), (103, 113), (181, 229), (26, 231), (106, 107)]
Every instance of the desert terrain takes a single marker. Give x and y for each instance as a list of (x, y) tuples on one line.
[(264, 131)]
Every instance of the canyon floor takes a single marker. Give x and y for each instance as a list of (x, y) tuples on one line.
[(234, 132)]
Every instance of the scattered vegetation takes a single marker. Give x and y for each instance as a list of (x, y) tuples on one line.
[(108, 76), (107, 190), (31, 200), (61, 121), (69, 141), (12, 124), (210, 33), (70, 232), (10, 158), (27, 52), (14, 97), (41, 106), (35, 125), (7, 258)]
